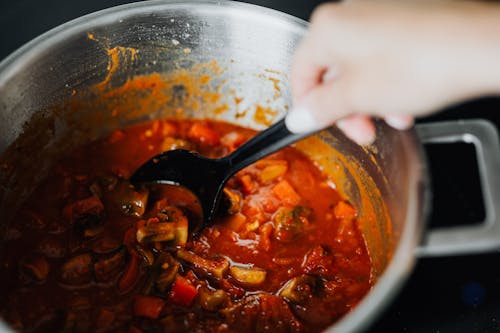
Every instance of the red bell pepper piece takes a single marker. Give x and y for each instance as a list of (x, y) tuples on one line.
[(183, 292)]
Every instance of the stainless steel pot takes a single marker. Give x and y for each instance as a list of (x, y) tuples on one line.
[(253, 47)]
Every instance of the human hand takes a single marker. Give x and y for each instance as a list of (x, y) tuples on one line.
[(392, 59)]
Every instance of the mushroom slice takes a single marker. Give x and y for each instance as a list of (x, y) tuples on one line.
[(156, 232), (128, 199), (168, 268), (232, 201), (216, 268), (212, 300), (299, 289), (248, 276), (77, 270)]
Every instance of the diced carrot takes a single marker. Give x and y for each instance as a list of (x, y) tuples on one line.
[(131, 274), (235, 222), (268, 201), (183, 292), (253, 211), (344, 210), (247, 184), (286, 193), (204, 134), (148, 306)]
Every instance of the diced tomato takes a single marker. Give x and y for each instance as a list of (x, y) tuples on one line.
[(247, 184), (235, 222), (286, 193), (343, 210), (131, 274), (148, 306), (183, 292), (232, 289), (269, 202), (265, 232), (204, 134), (252, 210)]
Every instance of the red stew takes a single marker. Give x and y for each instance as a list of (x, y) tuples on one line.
[(89, 252)]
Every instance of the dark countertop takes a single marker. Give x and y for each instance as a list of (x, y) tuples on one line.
[(446, 295)]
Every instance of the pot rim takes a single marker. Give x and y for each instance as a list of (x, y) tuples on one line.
[(403, 260), (16, 60)]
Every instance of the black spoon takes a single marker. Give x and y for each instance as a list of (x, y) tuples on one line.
[(206, 177)]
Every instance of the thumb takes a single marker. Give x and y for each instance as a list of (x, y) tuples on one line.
[(318, 109)]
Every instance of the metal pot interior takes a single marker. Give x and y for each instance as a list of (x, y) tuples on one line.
[(227, 61)]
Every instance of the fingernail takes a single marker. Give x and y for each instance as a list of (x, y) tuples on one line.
[(353, 132), (399, 122), (301, 120)]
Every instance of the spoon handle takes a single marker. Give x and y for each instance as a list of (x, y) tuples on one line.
[(264, 143)]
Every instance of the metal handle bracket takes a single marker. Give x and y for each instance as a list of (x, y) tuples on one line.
[(479, 237)]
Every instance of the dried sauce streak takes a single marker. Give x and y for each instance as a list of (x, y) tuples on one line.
[(89, 252)]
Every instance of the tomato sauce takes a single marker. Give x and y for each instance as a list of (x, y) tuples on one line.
[(90, 252)]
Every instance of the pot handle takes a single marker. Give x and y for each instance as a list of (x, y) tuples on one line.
[(479, 237)]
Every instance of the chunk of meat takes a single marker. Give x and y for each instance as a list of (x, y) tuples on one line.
[(300, 288), (319, 261)]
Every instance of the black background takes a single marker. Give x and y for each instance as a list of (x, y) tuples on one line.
[(446, 295)]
